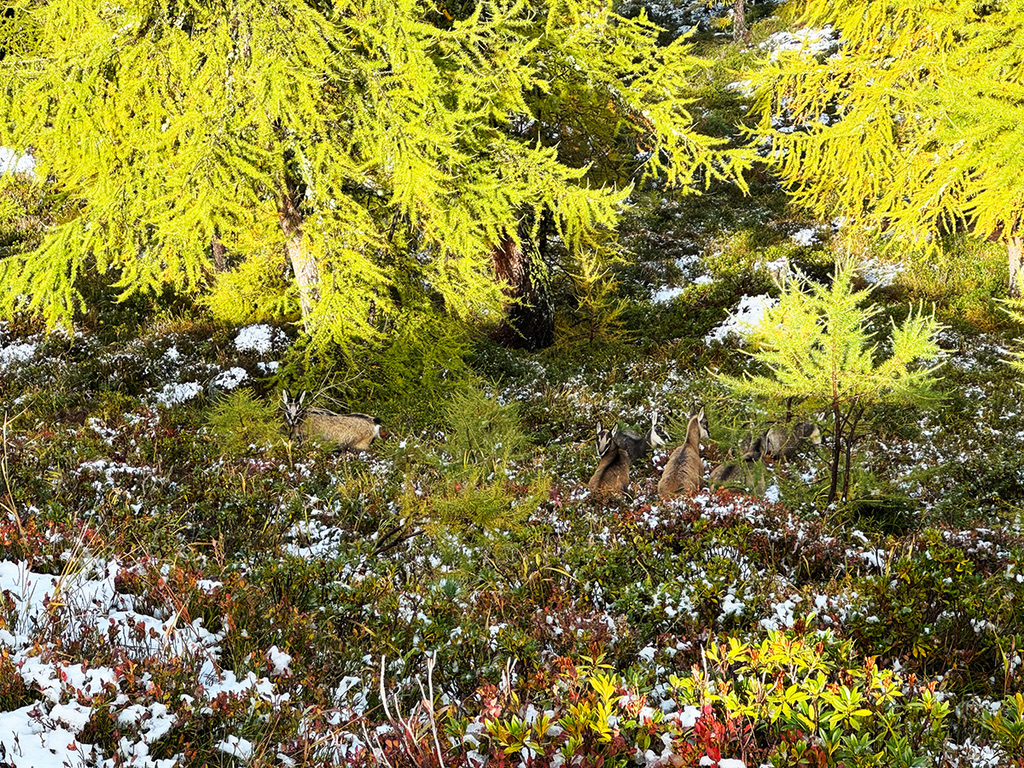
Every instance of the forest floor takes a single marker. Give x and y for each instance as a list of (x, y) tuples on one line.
[(181, 585)]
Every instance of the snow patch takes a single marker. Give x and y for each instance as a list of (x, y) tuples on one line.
[(177, 393), (665, 295), (279, 660), (806, 237), (260, 338), (16, 353), (12, 162), (742, 320), (802, 41), (231, 378)]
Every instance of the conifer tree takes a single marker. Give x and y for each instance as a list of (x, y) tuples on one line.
[(820, 352), (377, 156), (914, 126)]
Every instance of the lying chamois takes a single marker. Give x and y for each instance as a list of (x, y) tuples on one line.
[(684, 471), (729, 473), (779, 442), (347, 432), (637, 446), (612, 473), (784, 441)]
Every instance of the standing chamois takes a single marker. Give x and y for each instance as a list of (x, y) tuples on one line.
[(612, 473), (347, 432), (684, 471)]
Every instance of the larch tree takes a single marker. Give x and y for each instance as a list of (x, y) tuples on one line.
[(357, 150), (818, 348), (586, 118), (914, 126)]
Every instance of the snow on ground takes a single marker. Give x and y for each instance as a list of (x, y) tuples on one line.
[(743, 319), (804, 41), (12, 162), (665, 295), (60, 611), (175, 393), (880, 274), (806, 237), (260, 338), (16, 353), (232, 378), (32, 738)]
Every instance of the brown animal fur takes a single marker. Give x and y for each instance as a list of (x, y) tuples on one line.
[(724, 473), (780, 442), (783, 442), (684, 470), (347, 432), (737, 475), (612, 473)]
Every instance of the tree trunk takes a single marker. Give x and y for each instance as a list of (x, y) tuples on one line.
[(739, 21), (846, 469), (837, 450), (850, 427), (529, 320), (1015, 251), (307, 276), (219, 253)]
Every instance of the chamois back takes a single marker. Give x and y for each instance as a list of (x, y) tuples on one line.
[(684, 471), (639, 446), (346, 431)]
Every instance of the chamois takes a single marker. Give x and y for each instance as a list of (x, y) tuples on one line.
[(684, 471), (779, 442), (638, 446), (744, 473), (612, 473), (726, 473), (783, 442), (347, 432)]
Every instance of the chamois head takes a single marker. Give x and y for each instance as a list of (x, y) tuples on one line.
[(657, 436), (700, 420), (292, 411), (605, 439)]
